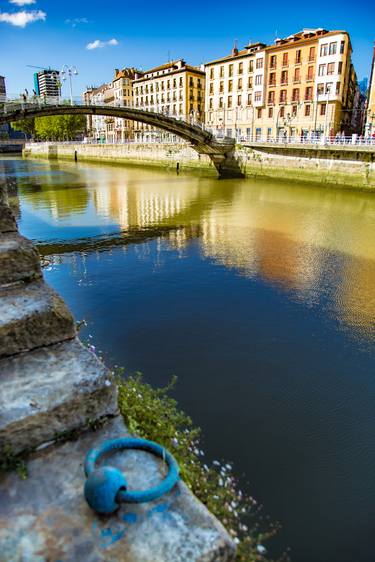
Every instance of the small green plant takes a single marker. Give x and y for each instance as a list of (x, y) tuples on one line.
[(152, 414), (10, 461)]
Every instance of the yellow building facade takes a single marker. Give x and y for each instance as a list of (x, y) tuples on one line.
[(370, 112), (176, 89), (299, 87)]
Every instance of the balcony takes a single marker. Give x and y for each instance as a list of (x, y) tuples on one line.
[(273, 67), (310, 78), (271, 102), (284, 82), (273, 83), (283, 101), (295, 100), (297, 62), (311, 59), (296, 80), (308, 98)]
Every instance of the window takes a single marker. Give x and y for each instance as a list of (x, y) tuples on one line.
[(258, 134), (295, 94), (181, 80), (271, 97), (221, 103), (297, 74), (320, 89), (282, 98), (308, 93), (272, 79), (273, 61), (229, 101), (285, 59), (333, 48), (312, 54), (221, 87), (259, 113), (298, 56), (251, 65), (310, 73), (324, 50), (211, 103), (239, 100), (329, 87), (270, 112), (249, 97), (250, 82), (307, 110), (338, 84), (342, 47), (269, 133), (211, 74), (282, 111), (339, 70), (331, 68), (259, 63), (211, 88), (294, 110), (321, 70), (323, 109), (231, 70), (258, 96), (230, 85), (284, 77), (221, 72), (258, 80), (240, 67), (239, 85)]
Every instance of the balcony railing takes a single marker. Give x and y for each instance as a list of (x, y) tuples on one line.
[(296, 80), (273, 83)]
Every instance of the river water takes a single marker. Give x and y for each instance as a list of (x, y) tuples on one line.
[(259, 296)]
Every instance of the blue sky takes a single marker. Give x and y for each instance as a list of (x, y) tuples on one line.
[(145, 34)]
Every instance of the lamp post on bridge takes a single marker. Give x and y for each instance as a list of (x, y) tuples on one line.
[(70, 71)]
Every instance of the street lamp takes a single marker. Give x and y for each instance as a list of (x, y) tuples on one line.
[(70, 71)]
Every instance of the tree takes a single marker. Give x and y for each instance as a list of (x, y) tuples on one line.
[(27, 126), (59, 127)]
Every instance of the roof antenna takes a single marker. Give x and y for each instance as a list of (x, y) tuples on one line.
[(235, 48)]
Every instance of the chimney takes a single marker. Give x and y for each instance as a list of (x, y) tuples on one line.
[(235, 49)]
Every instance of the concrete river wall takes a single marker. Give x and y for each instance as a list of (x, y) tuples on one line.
[(344, 166)]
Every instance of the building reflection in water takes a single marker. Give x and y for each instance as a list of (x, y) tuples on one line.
[(313, 242)]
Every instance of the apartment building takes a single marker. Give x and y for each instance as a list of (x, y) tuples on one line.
[(123, 129), (370, 112), (95, 124), (3, 92), (175, 89), (47, 83), (300, 86)]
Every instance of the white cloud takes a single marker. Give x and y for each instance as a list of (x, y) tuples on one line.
[(97, 44), (76, 21), (21, 19), (22, 2)]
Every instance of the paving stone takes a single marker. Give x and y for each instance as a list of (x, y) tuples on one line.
[(19, 259), (45, 517), (32, 315), (52, 390)]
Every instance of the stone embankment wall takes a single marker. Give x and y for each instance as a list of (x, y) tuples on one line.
[(348, 166), (58, 401)]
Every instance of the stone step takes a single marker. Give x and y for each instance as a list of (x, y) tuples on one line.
[(49, 391), (19, 259), (45, 517), (7, 220), (32, 315)]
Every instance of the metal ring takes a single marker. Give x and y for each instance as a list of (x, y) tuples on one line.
[(143, 444)]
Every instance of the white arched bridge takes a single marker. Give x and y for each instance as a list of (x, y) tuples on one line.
[(221, 151)]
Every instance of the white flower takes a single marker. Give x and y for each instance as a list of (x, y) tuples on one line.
[(261, 549), (216, 463)]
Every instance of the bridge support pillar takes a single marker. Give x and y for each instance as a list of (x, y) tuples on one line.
[(227, 166)]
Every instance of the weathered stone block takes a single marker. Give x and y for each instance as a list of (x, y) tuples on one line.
[(52, 390), (31, 316), (45, 517), (19, 259), (7, 220)]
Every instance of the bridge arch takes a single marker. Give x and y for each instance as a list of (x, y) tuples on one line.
[(221, 152)]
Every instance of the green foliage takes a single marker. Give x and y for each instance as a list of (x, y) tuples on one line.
[(59, 127), (153, 414), (25, 125), (55, 127), (10, 461)]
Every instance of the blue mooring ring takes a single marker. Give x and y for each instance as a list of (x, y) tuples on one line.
[(106, 486)]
